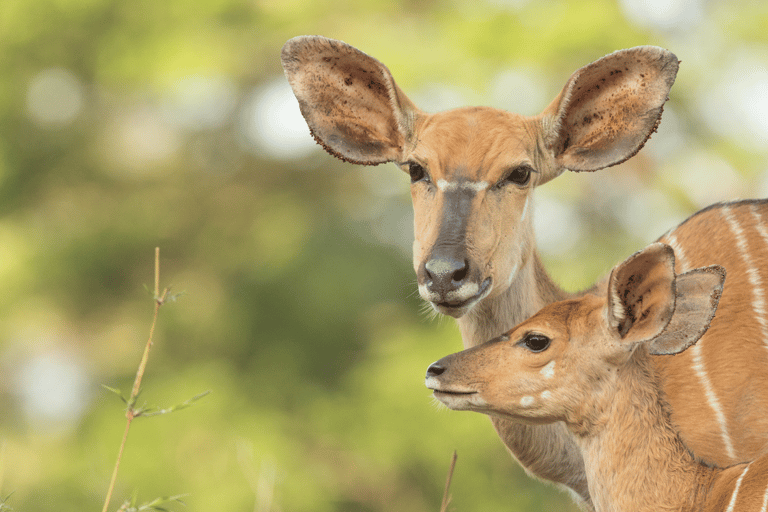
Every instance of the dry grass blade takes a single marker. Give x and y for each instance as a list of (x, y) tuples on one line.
[(446, 495)]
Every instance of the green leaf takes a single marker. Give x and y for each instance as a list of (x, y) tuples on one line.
[(117, 392), (4, 507), (157, 502), (154, 411)]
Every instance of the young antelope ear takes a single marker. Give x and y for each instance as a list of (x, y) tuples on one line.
[(352, 105), (641, 294), (608, 109), (697, 295)]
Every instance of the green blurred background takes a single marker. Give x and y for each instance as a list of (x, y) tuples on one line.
[(130, 125)]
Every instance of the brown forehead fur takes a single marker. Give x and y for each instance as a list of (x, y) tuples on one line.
[(478, 137), (559, 317)]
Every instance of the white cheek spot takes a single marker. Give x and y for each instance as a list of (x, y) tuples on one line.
[(549, 370), (527, 401), (546, 395)]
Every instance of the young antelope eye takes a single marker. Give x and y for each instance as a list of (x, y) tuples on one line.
[(416, 171), (536, 342)]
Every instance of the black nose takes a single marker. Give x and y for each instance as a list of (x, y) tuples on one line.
[(435, 369), (445, 273)]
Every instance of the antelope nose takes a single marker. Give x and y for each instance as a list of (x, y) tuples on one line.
[(435, 369), (445, 274)]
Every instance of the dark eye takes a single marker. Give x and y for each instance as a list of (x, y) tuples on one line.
[(417, 172), (520, 176), (536, 342)]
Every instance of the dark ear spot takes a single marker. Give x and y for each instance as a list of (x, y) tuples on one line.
[(350, 101), (641, 293), (608, 109)]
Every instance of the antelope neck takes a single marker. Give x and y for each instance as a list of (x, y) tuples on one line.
[(530, 290), (634, 458)]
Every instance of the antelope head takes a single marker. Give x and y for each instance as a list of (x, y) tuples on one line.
[(473, 170), (559, 363)]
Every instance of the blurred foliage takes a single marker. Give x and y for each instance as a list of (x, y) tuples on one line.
[(300, 312)]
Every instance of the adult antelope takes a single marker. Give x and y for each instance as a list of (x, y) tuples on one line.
[(589, 363), (473, 171)]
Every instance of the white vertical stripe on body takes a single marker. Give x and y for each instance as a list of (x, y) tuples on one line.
[(698, 364), (732, 503), (758, 290), (765, 501)]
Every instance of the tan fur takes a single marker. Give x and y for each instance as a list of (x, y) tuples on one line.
[(607, 389), (733, 350), (600, 118)]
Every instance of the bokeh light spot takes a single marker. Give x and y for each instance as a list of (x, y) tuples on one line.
[(666, 15), (54, 97), (54, 390), (272, 123), (201, 102)]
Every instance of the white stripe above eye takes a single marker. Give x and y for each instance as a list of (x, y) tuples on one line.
[(447, 186)]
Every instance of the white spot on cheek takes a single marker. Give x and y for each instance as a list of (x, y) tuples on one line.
[(527, 401), (548, 371), (546, 395)]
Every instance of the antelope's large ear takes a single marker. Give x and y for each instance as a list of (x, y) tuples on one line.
[(641, 294), (608, 109), (697, 294), (352, 105)]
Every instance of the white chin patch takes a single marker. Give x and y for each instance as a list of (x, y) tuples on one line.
[(461, 294)]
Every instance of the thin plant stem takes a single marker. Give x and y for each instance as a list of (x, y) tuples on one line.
[(446, 495), (130, 412), (2, 465)]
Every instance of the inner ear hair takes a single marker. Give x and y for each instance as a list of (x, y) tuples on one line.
[(697, 294), (641, 293)]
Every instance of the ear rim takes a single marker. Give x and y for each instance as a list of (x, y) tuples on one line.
[(555, 114), (615, 320), (403, 111), (655, 345)]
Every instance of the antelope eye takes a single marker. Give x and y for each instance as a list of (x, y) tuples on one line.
[(417, 172), (520, 176), (536, 342)]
